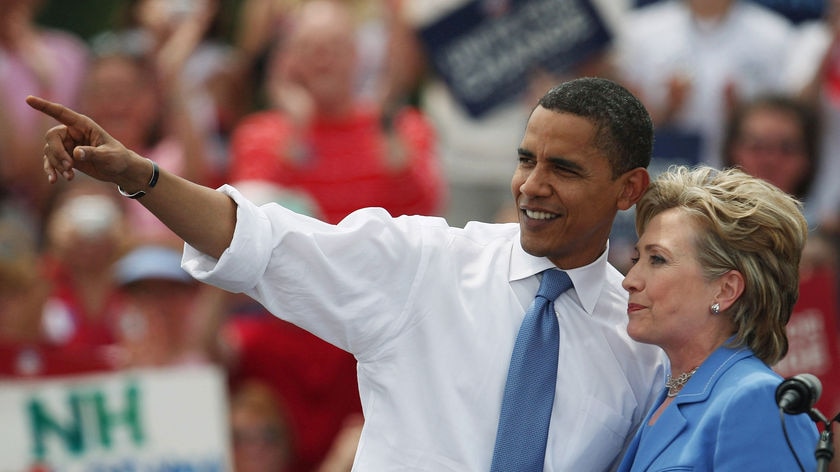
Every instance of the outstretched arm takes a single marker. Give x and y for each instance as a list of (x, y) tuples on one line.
[(201, 216)]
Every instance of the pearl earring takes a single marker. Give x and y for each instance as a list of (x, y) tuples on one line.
[(716, 308)]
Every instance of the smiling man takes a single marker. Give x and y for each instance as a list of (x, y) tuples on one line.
[(431, 312)]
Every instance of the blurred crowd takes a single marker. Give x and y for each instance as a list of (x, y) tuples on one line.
[(330, 106)]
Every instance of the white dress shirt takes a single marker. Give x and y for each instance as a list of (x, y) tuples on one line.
[(431, 314)]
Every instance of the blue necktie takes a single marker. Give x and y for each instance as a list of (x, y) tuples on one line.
[(532, 378)]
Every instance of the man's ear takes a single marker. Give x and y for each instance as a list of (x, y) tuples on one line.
[(635, 182)]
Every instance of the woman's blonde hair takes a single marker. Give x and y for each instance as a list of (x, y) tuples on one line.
[(748, 225)]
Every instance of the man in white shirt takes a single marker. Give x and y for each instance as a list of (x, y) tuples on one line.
[(430, 311)]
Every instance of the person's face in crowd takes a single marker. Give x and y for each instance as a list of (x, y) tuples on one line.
[(670, 299), (165, 303), (86, 231), (154, 330), (121, 96), (771, 146), (164, 298), (320, 54), (564, 190), (259, 445)]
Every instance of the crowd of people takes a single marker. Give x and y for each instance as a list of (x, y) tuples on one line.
[(332, 109)]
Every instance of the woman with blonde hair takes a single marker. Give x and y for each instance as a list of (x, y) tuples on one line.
[(713, 284)]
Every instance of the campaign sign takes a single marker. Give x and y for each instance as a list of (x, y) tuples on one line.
[(812, 338), (486, 58), (154, 420)]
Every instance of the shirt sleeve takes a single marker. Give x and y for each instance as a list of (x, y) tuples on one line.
[(351, 284)]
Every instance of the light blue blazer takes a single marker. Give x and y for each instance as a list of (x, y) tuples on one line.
[(724, 419)]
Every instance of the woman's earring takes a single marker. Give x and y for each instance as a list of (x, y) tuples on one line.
[(716, 308)]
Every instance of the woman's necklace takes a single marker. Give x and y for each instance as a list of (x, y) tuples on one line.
[(675, 384)]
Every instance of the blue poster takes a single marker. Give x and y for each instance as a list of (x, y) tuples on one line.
[(486, 56)]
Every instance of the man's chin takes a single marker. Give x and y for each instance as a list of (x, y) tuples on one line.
[(528, 245)]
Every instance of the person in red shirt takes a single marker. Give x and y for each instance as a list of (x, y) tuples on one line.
[(85, 233), (321, 140), (25, 352), (315, 381)]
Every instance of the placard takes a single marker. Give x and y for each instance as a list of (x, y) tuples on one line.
[(486, 57), (813, 338), (172, 419)]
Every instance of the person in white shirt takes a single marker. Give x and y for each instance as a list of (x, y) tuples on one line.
[(430, 311), (691, 61)]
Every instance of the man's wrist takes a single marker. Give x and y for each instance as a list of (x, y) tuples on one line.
[(153, 178)]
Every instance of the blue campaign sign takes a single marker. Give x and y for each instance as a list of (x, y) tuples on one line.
[(486, 58)]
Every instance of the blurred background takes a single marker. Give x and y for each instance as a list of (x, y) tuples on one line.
[(112, 358)]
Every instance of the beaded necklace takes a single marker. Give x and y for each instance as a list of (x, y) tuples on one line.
[(675, 384)]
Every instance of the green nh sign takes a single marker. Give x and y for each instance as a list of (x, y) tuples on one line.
[(88, 420)]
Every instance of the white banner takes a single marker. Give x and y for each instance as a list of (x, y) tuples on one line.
[(151, 420)]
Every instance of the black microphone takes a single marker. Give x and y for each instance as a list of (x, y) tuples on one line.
[(798, 394)]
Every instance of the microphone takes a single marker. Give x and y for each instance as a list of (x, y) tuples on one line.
[(798, 394)]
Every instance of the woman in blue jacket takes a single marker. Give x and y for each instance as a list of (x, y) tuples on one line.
[(713, 284)]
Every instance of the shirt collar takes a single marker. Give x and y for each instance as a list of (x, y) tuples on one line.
[(588, 280)]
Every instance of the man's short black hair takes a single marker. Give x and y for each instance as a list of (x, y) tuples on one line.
[(624, 130)]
